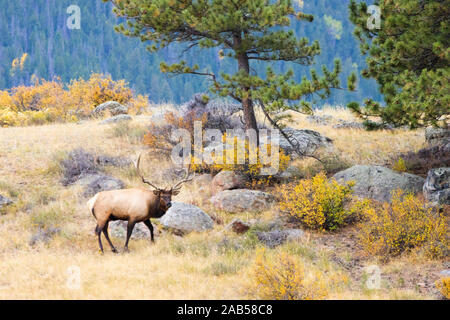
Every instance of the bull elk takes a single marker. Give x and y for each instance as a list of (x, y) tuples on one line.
[(133, 205)]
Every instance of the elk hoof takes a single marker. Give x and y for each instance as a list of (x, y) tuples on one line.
[(115, 251)]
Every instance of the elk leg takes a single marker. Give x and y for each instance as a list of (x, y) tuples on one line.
[(98, 232), (105, 232), (130, 227), (148, 223)]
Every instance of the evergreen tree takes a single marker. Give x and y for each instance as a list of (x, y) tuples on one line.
[(409, 58), (243, 30)]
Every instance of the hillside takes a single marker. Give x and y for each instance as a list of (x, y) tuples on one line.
[(40, 31), (211, 265)]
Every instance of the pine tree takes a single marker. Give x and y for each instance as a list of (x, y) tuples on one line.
[(409, 58), (244, 30)]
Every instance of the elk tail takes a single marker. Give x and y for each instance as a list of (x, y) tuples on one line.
[(91, 204)]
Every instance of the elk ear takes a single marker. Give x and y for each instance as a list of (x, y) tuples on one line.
[(175, 192), (156, 192)]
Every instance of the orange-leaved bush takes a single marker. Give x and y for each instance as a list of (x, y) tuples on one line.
[(49, 101)]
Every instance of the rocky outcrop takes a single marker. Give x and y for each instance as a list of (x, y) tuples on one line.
[(378, 183), (348, 125), (275, 238), (320, 120), (116, 119), (227, 180), (239, 200), (305, 141), (219, 114), (437, 186), (437, 136), (186, 217), (112, 107), (291, 172), (99, 182)]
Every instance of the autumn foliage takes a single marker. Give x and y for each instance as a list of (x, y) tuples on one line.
[(318, 203), (404, 225), (284, 278), (50, 101)]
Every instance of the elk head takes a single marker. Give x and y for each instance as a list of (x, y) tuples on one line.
[(164, 194)]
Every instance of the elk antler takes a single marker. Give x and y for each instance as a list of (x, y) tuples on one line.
[(185, 179), (142, 177)]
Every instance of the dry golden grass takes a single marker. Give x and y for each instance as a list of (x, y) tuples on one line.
[(192, 267), (359, 146)]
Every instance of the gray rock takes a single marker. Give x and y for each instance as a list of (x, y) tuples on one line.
[(437, 186), (378, 183), (4, 201), (239, 200), (321, 120), (348, 125), (43, 235), (291, 172), (186, 217), (227, 180), (113, 107), (118, 229), (437, 136), (306, 141), (220, 114), (116, 119), (275, 238), (99, 182), (199, 106)]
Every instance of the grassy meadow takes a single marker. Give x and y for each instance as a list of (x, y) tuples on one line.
[(212, 265)]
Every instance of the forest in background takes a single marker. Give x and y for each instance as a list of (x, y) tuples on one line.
[(53, 50)]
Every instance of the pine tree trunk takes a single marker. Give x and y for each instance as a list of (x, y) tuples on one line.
[(247, 103)]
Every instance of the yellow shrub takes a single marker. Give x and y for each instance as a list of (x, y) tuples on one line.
[(8, 117), (5, 100), (251, 170), (99, 88), (283, 278), (159, 137), (138, 104), (443, 285), (400, 165), (403, 225), (318, 203)]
